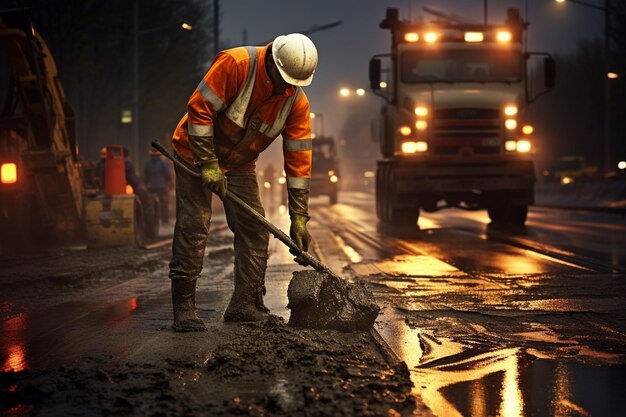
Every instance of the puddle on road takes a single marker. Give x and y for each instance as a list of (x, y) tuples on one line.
[(511, 382), (18, 349), (409, 265)]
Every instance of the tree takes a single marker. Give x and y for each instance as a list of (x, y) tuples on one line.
[(92, 43)]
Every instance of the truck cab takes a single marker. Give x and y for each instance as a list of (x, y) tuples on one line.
[(455, 128)]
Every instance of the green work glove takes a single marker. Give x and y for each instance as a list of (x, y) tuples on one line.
[(203, 152), (214, 179), (298, 212)]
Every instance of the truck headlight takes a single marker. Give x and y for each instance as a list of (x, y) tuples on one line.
[(528, 129), (510, 124), (523, 146), (415, 147), (510, 145), (405, 130), (510, 110), (421, 125), (421, 111), (8, 173), (409, 147)]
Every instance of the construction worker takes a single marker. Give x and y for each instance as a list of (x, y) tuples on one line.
[(248, 97), (158, 177)]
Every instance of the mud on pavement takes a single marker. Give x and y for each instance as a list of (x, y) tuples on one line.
[(260, 369)]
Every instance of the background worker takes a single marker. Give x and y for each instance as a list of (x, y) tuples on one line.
[(158, 178), (249, 96)]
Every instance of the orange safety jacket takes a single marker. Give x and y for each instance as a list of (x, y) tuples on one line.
[(234, 104)]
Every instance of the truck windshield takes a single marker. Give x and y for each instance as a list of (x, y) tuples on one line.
[(460, 66)]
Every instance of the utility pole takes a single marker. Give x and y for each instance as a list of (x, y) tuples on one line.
[(607, 86), (135, 111), (216, 26), (486, 10)]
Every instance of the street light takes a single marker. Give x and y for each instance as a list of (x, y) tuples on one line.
[(344, 92), (135, 111), (609, 75)]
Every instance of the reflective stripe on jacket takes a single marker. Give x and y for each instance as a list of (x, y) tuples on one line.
[(234, 104)]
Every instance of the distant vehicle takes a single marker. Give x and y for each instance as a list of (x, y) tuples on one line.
[(325, 169), (574, 168), (44, 194), (455, 130)]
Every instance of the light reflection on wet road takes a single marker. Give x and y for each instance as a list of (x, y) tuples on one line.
[(490, 322)]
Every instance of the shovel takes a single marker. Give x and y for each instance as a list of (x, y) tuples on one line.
[(319, 300)]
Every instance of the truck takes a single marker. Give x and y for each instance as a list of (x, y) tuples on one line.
[(325, 170), (455, 129), (44, 194)]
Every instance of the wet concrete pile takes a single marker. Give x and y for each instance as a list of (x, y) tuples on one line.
[(322, 301), (260, 369)]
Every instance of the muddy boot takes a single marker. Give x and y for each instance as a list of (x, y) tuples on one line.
[(246, 304), (184, 302)]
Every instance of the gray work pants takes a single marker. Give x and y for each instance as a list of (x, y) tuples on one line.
[(193, 217)]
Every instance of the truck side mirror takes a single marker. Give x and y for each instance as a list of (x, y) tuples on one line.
[(549, 68), (375, 71)]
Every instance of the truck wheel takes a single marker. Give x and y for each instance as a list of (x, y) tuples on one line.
[(497, 214), (16, 220), (406, 217), (508, 214), (518, 215)]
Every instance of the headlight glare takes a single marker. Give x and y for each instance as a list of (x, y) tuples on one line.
[(510, 124), (510, 145), (409, 147), (523, 146), (510, 110), (405, 130)]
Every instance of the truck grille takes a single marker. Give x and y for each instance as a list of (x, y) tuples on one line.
[(466, 131)]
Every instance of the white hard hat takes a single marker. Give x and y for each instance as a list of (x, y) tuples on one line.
[(296, 58)]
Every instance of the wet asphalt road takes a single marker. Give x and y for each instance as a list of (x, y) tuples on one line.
[(489, 322)]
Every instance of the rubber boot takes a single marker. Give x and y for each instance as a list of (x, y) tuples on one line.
[(246, 303), (184, 302)]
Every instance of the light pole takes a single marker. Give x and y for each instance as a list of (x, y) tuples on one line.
[(135, 111), (606, 160)]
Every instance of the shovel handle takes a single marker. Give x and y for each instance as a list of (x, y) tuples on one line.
[(275, 231)]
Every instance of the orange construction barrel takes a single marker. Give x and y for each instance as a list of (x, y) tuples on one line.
[(114, 171)]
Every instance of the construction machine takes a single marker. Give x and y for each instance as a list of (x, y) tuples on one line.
[(455, 128), (43, 193)]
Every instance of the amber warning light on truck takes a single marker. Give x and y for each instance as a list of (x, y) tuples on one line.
[(8, 173), (457, 35)]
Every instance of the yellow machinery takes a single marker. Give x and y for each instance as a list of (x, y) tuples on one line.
[(44, 197)]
